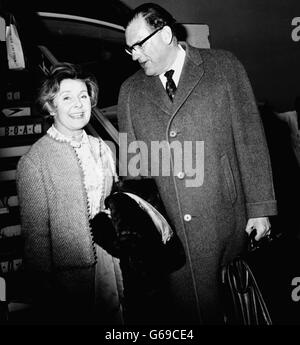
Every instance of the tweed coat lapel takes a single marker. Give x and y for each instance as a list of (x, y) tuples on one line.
[(192, 73), (156, 93)]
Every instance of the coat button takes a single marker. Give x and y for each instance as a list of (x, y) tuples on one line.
[(173, 134), (187, 217), (181, 175)]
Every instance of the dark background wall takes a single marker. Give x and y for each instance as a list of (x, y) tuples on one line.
[(264, 35)]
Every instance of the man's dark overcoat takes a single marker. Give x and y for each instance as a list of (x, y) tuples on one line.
[(214, 108)]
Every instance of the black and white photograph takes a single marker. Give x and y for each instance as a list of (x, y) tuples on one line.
[(150, 166)]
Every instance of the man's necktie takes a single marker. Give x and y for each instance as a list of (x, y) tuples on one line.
[(170, 85)]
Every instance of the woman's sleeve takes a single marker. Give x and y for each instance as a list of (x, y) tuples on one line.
[(34, 216)]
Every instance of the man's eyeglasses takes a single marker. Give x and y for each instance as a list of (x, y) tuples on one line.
[(129, 50)]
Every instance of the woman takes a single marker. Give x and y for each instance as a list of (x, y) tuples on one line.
[(62, 184)]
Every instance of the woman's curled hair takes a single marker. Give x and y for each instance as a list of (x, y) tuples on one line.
[(62, 71)]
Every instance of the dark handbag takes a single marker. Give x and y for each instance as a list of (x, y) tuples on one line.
[(137, 232), (257, 286), (131, 234), (104, 233)]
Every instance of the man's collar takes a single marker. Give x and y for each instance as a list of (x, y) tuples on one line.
[(176, 66), (192, 53)]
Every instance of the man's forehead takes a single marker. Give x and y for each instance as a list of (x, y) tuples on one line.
[(136, 30)]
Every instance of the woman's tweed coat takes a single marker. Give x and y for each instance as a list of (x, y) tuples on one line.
[(58, 242), (214, 104)]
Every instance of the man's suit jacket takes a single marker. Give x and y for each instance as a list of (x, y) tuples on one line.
[(214, 106)]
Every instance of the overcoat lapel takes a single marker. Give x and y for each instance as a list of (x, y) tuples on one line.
[(191, 75), (156, 93)]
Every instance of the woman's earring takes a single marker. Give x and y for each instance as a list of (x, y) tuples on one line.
[(52, 113)]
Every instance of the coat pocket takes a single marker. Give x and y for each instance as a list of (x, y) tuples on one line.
[(229, 178)]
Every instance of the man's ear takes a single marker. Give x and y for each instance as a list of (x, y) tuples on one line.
[(167, 34)]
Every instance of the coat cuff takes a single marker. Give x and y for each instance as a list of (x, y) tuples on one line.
[(261, 209)]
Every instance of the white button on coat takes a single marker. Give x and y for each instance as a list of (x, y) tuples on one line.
[(181, 175), (173, 134), (187, 217)]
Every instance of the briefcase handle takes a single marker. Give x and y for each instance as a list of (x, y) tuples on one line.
[(253, 244)]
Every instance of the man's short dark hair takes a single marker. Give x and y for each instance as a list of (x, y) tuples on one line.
[(154, 15)]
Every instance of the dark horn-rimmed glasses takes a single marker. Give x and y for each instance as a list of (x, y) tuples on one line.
[(129, 50)]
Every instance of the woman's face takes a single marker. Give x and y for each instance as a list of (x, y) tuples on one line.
[(72, 107)]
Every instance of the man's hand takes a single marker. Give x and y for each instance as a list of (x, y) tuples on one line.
[(262, 226)]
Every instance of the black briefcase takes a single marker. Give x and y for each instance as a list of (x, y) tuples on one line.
[(262, 286)]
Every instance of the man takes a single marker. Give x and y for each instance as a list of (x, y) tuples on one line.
[(211, 123)]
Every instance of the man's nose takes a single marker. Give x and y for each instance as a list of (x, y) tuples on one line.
[(136, 54)]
